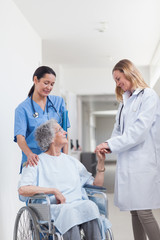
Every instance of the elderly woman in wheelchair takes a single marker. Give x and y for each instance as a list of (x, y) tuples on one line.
[(62, 177)]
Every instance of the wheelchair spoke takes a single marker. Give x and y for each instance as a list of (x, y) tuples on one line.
[(25, 227)]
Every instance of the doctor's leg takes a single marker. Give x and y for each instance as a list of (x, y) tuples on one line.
[(149, 224), (138, 231)]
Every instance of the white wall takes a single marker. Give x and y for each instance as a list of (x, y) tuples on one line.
[(154, 67), (20, 54), (92, 80), (155, 70), (145, 73), (88, 80)]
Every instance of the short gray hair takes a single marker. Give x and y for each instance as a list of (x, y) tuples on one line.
[(45, 133)]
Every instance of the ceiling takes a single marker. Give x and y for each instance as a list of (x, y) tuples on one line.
[(95, 33)]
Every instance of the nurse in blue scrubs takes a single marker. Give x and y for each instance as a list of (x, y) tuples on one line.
[(36, 109)]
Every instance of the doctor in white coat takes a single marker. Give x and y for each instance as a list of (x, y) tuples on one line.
[(136, 141)]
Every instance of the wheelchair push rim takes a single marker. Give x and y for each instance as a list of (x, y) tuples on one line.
[(26, 225), (109, 234)]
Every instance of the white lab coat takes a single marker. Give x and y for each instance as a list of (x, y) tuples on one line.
[(136, 140)]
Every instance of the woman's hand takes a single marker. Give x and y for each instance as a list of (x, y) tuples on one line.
[(103, 148), (32, 159), (101, 156), (59, 197)]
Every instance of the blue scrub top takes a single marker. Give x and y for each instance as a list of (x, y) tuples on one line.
[(25, 124)]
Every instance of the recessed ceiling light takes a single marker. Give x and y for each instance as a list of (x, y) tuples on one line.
[(102, 26), (110, 58)]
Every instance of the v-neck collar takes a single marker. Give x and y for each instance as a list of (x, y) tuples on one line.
[(38, 107)]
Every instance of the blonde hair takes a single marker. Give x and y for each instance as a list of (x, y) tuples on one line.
[(131, 74)]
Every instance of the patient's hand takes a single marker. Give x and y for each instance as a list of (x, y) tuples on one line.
[(59, 197), (103, 148), (101, 156)]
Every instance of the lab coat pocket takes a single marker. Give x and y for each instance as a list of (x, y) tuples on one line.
[(142, 161)]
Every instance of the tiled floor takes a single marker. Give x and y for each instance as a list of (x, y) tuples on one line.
[(121, 221)]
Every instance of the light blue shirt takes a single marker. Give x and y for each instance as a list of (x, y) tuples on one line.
[(26, 124), (68, 175)]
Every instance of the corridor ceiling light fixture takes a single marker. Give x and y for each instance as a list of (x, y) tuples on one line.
[(108, 113)]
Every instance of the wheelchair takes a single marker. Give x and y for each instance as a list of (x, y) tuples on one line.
[(33, 222)]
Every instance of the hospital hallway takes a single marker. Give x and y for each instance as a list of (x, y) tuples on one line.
[(121, 221)]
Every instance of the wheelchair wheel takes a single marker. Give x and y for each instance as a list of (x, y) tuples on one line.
[(57, 236), (26, 225)]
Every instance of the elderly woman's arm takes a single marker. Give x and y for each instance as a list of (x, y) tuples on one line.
[(28, 191), (99, 178)]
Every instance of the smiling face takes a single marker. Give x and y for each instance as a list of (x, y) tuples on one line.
[(44, 85), (60, 136), (121, 81)]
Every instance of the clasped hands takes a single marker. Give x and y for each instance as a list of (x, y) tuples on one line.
[(102, 149)]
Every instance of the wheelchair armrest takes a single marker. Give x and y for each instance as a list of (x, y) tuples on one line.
[(92, 190), (94, 187), (39, 196)]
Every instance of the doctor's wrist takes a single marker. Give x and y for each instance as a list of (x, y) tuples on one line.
[(108, 147)]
